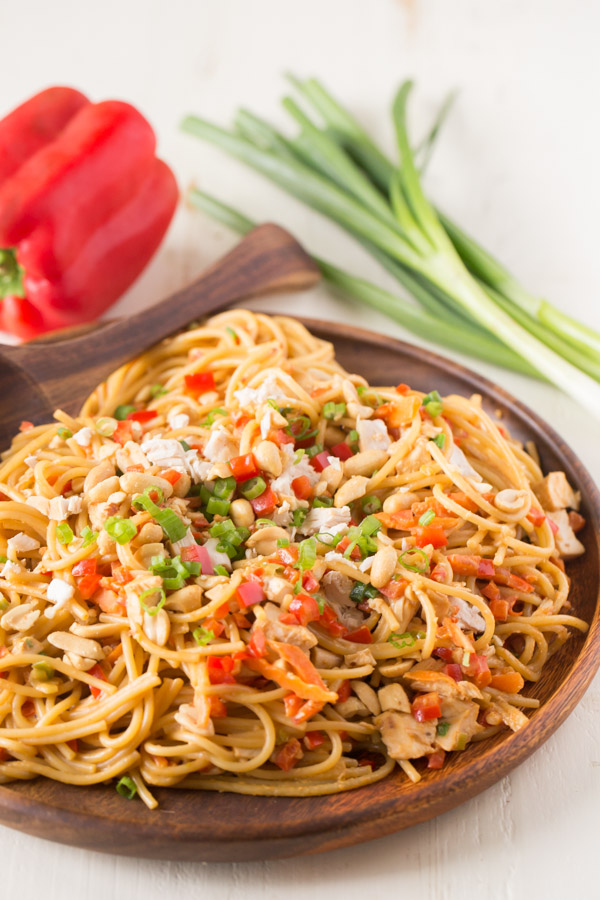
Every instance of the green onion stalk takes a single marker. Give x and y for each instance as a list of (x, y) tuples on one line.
[(468, 301)]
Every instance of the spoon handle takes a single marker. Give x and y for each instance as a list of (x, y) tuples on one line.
[(267, 260)]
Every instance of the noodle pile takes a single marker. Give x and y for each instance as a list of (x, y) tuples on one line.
[(242, 569)]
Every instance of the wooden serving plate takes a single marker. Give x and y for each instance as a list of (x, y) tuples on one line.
[(206, 826)]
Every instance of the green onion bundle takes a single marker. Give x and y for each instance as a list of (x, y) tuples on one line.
[(467, 300)]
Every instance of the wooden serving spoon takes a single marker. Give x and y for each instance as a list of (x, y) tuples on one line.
[(61, 371)]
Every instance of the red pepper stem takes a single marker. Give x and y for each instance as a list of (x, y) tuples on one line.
[(12, 274)]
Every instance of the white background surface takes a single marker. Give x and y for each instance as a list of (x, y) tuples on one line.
[(517, 166)]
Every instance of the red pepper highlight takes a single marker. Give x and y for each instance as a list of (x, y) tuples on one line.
[(84, 204)]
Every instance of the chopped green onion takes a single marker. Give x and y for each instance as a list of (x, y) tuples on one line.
[(427, 517), (298, 456), (424, 569), (158, 390), (370, 504), (203, 636), (334, 539), (260, 523), (173, 572), (333, 410), (360, 389), (273, 404), (64, 433), (298, 517), (105, 426), (439, 440), (220, 529), (433, 404), (370, 525), (307, 554), (169, 521), (212, 415), (320, 603), (442, 728), (3, 558), (298, 587), (43, 671), (224, 488), (312, 451), (461, 741), (88, 536), (126, 787), (306, 430), (361, 591), (353, 438), (253, 488), (283, 542), (322, 502), (216, 507), (120, 530), (122, 411), (221, 570), (233, 334), (185, 445), (64, 533), (152, 610), (399, 641)]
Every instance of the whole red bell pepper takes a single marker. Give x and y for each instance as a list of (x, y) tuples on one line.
[(84, 204)]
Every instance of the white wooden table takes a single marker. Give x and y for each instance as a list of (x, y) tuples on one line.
[(518, 167)]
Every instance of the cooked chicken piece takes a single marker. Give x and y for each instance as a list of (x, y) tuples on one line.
[(393, 696), (442, 684), (404, 608), (353, 706), (568, 545), (510, 715), (554, 492), (337, 589), (461, 717), (366, 695), (267, 617), (403, 736), (324, 659), (360, 658)]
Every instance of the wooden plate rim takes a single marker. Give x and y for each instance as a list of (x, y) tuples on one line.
[(368, 819)]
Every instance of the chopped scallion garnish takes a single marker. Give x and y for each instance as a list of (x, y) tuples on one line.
[(126, 787), (427, 517), (64, 533)]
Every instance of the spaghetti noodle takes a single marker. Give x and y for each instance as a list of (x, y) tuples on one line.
[(242, 569)]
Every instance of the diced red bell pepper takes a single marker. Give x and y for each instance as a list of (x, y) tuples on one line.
[(436, 760), (88, 585), (330, 623), (218, 709), (279, 437), (438, 573), (64, 263), (320, 461), (302, 488), (249, 593), (198, 554), (344, 691), (454, 671), (478, 669), (499, 608), (265, 504), (313, 739), (142, 415), (121, 574), (426, 706), (220, 669), (305, 608), (444, 653), (467, 564), (431, 534), (84, 567), (199, 383), (288, 555), (309, 582), (244, 467), (171, 475), (402, 389), (292, 704), (98, 672), (506, 577), (536, 517), (362, 635), (28, 709), (123, 433), (257, 645), (287, 757), (342, 451), (394, 589), (509, 682)]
